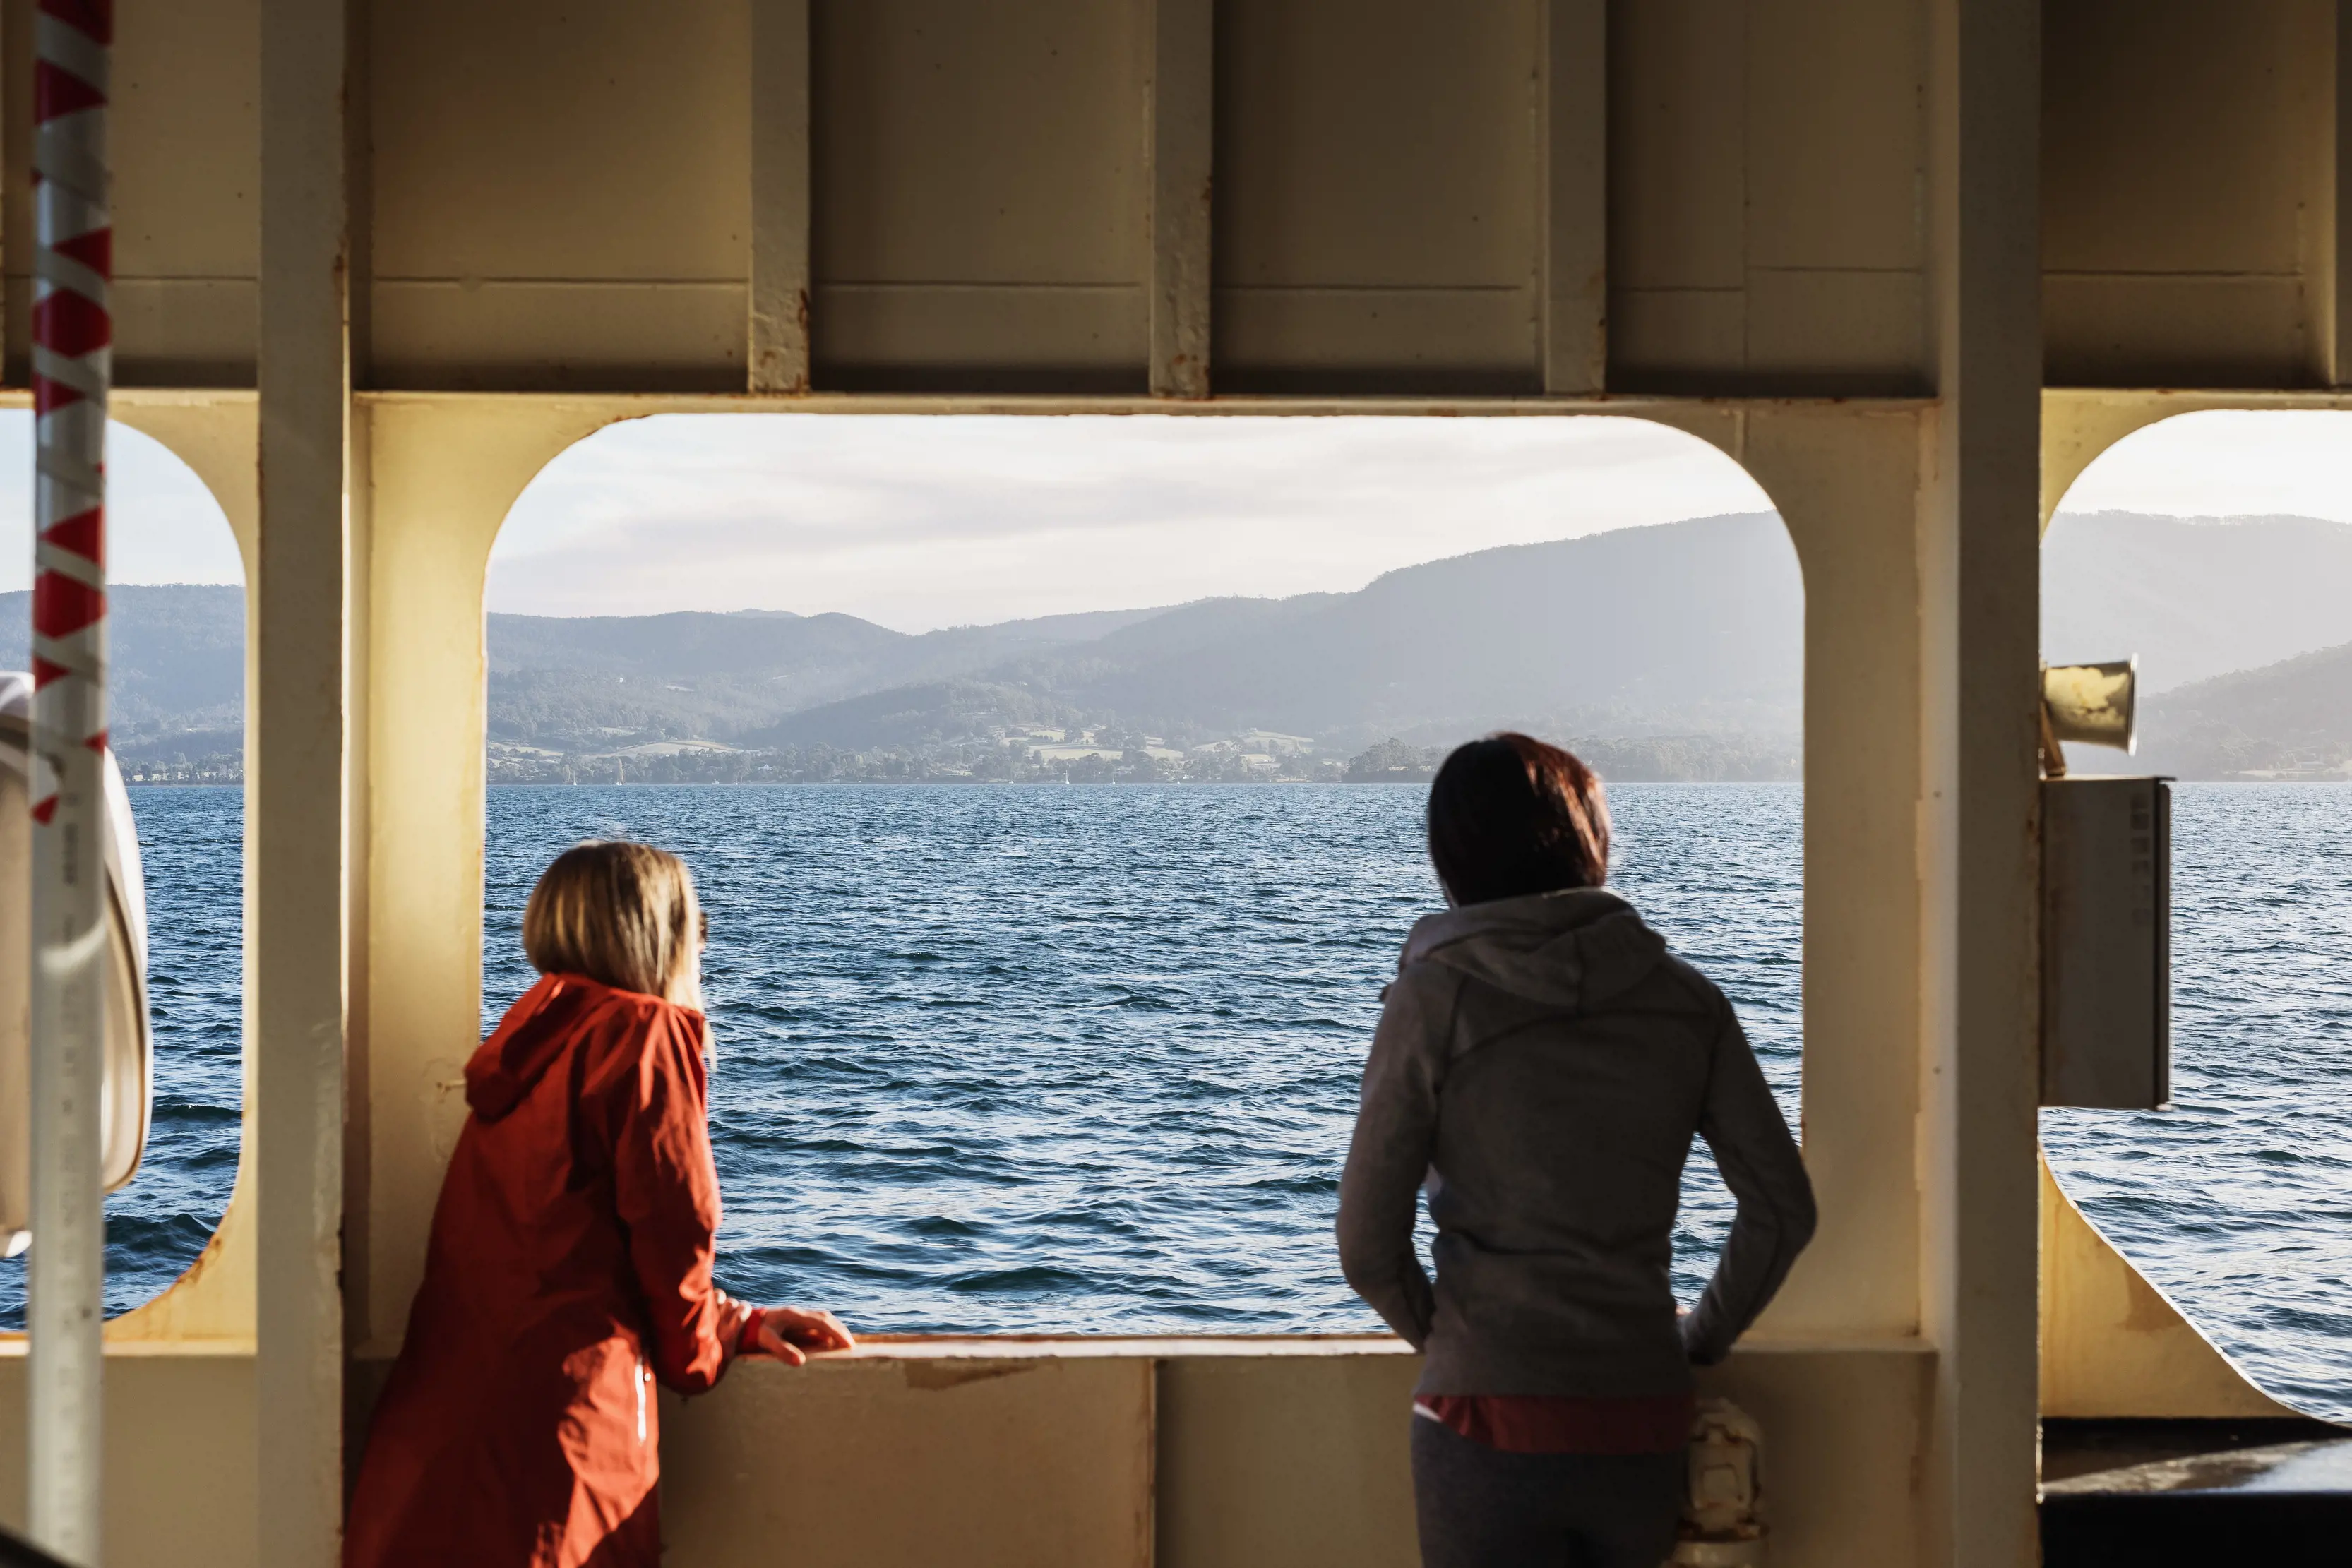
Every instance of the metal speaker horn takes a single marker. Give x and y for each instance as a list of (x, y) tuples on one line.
[(2096, 704)]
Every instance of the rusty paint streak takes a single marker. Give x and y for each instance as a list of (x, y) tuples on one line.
[(934, 1376)]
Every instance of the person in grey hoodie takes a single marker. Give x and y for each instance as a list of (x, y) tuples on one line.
[(1541, 1065)]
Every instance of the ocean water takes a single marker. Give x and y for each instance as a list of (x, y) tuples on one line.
[(2237, 1202), (191, 845), (1054, 1059), (1083, 1060)]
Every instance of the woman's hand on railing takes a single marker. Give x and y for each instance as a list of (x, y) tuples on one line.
[(790, 1333)]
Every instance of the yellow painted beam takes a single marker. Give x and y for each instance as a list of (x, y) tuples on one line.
[(2115, 1345)]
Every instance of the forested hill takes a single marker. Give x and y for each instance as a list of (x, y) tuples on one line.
[(2291, 720), (569, 684), (1692, 626), (2193, 597), (1695, 626), (1685, 628), (177, 654)]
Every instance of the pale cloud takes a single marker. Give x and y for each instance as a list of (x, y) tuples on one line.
[(917, 522), (163, 524), (2226, 463)]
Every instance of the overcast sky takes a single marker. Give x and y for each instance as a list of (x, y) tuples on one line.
[(163, 526), (921, 522)]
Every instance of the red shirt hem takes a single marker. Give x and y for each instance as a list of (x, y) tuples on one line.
[(1566, 1423)]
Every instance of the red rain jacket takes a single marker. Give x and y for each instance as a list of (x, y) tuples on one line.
[(569, 1267)]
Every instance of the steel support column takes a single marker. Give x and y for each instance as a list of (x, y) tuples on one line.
[(299, 847), (779, 348), (1182, 138), (1981, 564), (1573, 122), (2338, 312)]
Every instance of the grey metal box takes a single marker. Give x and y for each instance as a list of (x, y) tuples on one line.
[(2106, 942)]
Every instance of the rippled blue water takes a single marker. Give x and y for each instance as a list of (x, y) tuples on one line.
[(2238, 1201), (190, 846), (1083, 1059)]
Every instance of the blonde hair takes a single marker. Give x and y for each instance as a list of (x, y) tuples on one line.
[(621, 913)]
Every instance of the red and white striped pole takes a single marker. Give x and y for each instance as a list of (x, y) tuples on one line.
[(72, 338)]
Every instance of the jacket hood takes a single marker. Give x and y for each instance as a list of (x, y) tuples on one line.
[(1574, 948), (536, 1031)]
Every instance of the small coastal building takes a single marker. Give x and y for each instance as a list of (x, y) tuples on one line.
[(1913, 264)]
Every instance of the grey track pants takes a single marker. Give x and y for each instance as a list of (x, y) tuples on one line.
[(1481, 1508)]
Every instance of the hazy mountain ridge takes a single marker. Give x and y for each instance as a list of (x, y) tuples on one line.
[(177, 653), (566, 681), (1693, 624), (1682, 634), (1686, 637), (2194, 597), (930, 714), (2293, 719)]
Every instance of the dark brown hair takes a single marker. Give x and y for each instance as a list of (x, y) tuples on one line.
[(622, 914), (1510, 816)]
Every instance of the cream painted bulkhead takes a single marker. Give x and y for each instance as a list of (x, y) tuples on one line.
[(1848, 243)]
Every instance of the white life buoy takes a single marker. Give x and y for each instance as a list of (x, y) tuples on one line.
[(130, 1040)]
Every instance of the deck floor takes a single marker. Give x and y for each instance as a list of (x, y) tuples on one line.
[(2153, 1494)]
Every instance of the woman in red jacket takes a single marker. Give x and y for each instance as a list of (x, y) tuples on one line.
[(569, 1261)]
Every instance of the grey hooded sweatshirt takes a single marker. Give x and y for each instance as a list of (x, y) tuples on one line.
[(1544, 1062)]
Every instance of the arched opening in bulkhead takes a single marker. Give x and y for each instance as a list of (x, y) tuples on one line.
[(1055, 788), (176, 648), (2217, 548)]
